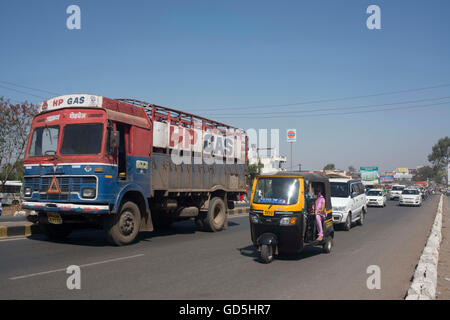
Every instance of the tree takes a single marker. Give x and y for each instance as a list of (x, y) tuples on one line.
[(351, 169), (15, 123), (440, 153), (424, 173), (329, 166), (439, 157), (254, 170)]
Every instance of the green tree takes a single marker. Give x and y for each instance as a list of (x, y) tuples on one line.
[(440, 153), (329, 166), (424, 173), (439, 157), (254, 170), (15, 123)]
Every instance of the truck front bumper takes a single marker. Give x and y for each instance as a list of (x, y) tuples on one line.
[(66, 207)]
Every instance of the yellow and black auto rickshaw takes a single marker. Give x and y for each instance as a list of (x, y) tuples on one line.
[(282, 216)]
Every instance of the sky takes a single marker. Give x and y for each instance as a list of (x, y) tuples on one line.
[(251, 64)]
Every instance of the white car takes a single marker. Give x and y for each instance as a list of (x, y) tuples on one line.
[(410, 197), (376, 197), (348, 201), (396, 191)]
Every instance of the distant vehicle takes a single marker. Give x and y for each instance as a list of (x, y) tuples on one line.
[(376, 197), (349, 202), (10, 192), (396, 191), (410, 197)]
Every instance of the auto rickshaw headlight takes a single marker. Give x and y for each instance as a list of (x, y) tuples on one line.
[(254, 218), (286, 221)]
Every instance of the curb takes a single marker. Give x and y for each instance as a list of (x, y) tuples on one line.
[(423, 286), (26, 229), (238, 211)]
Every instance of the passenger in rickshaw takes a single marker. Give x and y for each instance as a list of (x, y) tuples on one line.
[(319, 212)]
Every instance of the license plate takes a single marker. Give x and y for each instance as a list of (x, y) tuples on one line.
[(268, 213), (54, 218)]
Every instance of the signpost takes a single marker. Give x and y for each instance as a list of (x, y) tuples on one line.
[(291, 138)]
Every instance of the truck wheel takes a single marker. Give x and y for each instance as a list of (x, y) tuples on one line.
[(267, 253), (122, 228), (56, 231), (215, 218)]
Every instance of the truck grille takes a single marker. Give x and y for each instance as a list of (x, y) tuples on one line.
[(67, 184)]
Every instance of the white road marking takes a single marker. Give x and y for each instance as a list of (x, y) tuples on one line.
[(81, 266)]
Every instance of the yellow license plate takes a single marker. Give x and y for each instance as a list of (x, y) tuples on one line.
[(268, 213), (54, 218)]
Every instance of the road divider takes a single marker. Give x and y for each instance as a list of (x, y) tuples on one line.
[(423, 286), (17, 228)]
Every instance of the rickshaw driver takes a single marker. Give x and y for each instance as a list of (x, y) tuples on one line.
[(319, 211)]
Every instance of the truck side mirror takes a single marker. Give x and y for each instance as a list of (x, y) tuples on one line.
[(114, 141)]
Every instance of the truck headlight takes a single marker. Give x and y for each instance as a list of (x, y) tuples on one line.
[(27, 192), (88, 193)]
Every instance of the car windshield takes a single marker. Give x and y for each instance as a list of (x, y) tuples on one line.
[(374, 193), (44, 141), (339, 189), (82, 139), (410, 192), (282, 191), (397, 188)]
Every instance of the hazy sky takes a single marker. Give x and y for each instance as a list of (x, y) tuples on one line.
[(225, 59)]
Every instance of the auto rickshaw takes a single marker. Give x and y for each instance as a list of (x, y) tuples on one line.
[(281, 213)]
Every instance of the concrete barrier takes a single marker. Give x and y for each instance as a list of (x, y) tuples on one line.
[(423, 286)]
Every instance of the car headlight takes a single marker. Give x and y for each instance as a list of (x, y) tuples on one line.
[(27, 192), (88, 193)]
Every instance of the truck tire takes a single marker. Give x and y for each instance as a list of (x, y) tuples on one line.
[(122, 228), (56, 231), (216, 216)]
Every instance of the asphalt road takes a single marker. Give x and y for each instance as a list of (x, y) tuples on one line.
[(185, 264)]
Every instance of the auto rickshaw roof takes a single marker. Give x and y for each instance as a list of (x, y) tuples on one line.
[(306, 175)]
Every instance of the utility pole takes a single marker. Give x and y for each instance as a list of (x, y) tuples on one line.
[(299, 167)]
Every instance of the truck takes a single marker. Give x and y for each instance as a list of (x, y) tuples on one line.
[(127, 166)]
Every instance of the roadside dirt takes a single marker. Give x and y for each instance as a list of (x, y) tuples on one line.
[(443, 283), (8, 211)]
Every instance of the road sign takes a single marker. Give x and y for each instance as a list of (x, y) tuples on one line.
[(291, 135)]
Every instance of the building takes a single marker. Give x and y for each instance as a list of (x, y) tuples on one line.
[(269, 158)]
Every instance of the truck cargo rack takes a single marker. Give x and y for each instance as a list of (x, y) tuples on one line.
[(181, 118)]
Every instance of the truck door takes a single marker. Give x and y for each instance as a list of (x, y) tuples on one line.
[(123, 150)]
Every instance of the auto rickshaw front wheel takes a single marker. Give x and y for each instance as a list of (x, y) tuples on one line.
[(328, 245), (267, 253)]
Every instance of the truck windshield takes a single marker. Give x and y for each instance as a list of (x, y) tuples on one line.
[(339, 189), (82, 139), (44, 141), (282, 191)]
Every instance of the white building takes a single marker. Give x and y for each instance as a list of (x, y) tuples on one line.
[(269, 158)]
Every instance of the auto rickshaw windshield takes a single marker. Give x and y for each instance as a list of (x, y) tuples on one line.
[(281, 191)]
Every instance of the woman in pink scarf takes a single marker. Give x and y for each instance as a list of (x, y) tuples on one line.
[(319, 211)]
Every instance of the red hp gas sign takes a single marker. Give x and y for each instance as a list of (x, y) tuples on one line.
[(291, 135)]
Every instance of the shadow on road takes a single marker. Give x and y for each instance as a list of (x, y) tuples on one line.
[(252, 252), (97, 237)]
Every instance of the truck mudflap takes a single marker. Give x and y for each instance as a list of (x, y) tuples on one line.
[(66, 207)]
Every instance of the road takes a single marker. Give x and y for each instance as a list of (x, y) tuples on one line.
[(185, 264)]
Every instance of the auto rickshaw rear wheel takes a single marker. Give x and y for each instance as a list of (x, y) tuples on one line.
[(328, 245), (267, 253)]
